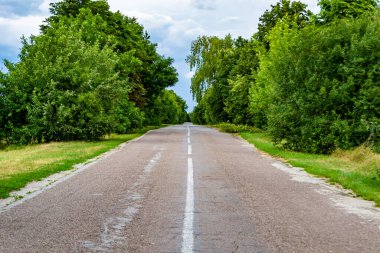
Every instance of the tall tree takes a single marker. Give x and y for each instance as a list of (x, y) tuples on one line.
[(294, 11), (337, 9), (323, 87), (241, 78), (82, 77), (63, 88), (154, 71), (212, 59)]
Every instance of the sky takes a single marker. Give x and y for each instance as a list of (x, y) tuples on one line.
[(172, 25)]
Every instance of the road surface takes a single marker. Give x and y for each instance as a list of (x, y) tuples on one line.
[(189, 189)]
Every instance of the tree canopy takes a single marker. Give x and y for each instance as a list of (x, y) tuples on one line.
[(294, 11), (89, 73), (337, 9), (312, 81)]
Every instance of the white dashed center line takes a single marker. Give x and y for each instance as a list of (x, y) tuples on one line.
[(188, 223)]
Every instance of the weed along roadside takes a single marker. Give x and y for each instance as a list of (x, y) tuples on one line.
[(21, 165), (357, 169)]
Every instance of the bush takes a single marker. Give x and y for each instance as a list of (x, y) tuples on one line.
[(62, 89), (232, 128), (324, 84)]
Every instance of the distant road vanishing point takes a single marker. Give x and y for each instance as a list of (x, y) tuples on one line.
[(189, 188)]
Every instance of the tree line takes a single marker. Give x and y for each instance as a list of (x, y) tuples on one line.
[(89, 72), (311, 80)]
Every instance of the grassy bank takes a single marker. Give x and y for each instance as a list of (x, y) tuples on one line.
[(20, 165), (358, 169)]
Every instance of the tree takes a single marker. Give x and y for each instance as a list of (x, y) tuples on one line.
[(324, 85), (241, 78), (83, 76), (337, 9), (213, 59), (151, 72), (293, 11), (314, 88), (71, 8), (4, 107), (63, 88), (167, 108), (237, 102)]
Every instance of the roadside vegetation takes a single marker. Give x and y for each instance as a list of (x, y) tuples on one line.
[(356, 169), (310, 80), (305, 87), (22, 164), (80, 87), (89, 73)]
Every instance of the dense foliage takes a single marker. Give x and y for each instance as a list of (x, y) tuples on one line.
[(89, 73), (294, 11), (337, 9), (312, 81), (325, 85)]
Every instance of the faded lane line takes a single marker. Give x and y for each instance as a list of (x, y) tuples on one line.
[(189, 149), (188, 223), (113, 227)]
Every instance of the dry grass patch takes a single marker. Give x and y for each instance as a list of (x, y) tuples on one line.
[(361, 159), (15, 160)]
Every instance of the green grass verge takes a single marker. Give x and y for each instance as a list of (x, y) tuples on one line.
[(20, 165), (358, 169)]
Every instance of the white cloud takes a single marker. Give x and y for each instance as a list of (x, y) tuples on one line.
[(164, 50), (189, 74), (172, 8), (15, 26), (151, 20), (180, 33), (13, 29), (45, 6)]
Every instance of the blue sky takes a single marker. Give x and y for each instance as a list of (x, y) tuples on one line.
[(172, 24)]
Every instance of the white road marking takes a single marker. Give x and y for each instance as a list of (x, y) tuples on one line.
[(188, 230), (188, 222)]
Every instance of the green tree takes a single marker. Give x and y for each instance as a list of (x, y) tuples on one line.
[(294, 11), (63, 88), (337, 9), (83, 77), (197, 116), (241, 78), (167, 108), (4, 106), (324, 84), (237, 102), (212, 59), (151, 73)]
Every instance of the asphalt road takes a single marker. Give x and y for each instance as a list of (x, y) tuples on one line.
[(190, 189)]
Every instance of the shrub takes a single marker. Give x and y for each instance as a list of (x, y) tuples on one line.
[(232, 128), (324, 84)]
